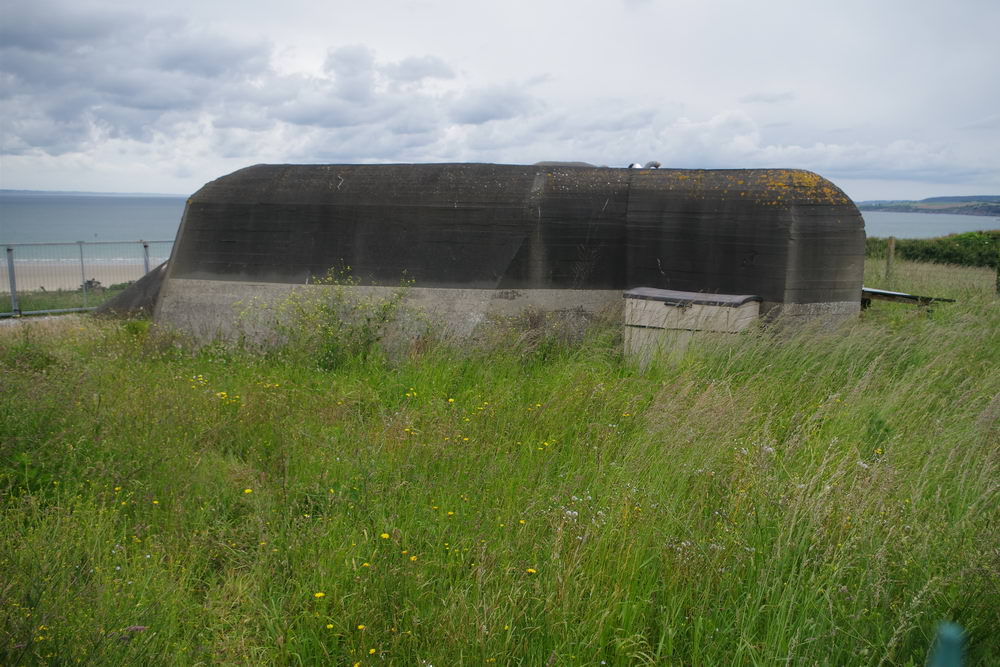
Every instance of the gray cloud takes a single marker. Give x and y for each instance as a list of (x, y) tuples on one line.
[(113, 73), (418, 68), (482, 105), (206, 56), (768, 98), (41, 26)]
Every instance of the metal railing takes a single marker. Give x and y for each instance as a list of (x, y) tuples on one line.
[(46, 278)]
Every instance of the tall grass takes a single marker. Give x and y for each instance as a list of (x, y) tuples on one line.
[(819, 497)]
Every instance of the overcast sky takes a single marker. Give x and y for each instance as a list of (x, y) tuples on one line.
[(887, 98)]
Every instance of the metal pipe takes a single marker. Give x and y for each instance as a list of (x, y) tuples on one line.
[(83, 275), (145, 257), (12, 279), (15, 245), (51, 311)]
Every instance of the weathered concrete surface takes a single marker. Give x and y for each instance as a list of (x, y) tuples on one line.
[(557, 236), (138, 299), (226, 310)]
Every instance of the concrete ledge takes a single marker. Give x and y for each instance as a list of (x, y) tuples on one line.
[(227, 310), (825, 314)]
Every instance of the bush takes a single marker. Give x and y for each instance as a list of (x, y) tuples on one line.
[(332, 321), (968, 249)]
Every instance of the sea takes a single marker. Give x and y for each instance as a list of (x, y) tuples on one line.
[(45, 217)]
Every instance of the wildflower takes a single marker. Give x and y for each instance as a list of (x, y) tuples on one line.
[(384, 536), (531, 570), (329, 626), (321, 594), (361, 627), (371, 651), (366, 565), (247, 490), (156, 502), (451, 400), (413, 558), (521, 522)]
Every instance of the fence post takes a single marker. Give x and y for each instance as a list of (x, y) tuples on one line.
[(11, 278), (890, 254), (145, 256), (996, 260), (83, 274)]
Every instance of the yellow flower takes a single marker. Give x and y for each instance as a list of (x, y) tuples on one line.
[(321, 594), (384, 536), (361, 627), (156, 502), (413, 558), (366, 565), (371, 651), (531, 570), (521, 522), (451, 400), (329, 626), (247, 490)]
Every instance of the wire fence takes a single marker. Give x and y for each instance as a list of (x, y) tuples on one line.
[(42, 278)]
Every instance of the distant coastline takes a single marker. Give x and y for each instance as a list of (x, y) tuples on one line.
[(83, 193), (987, 205)]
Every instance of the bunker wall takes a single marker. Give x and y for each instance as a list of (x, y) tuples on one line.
[(788, 236)]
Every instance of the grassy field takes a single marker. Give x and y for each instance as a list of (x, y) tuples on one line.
[(810, 498), (60, 299)]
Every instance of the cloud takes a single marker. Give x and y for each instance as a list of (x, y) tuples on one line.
[(768, 98), (204, 55), (81, 75), (498, 102), (191, 90), (417, 68)]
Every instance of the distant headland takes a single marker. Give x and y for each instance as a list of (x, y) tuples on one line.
[(968, 205)]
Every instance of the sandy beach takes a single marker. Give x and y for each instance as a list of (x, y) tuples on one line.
[(59, 275)]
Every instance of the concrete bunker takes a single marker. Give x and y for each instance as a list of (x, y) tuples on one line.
[(485, 239)]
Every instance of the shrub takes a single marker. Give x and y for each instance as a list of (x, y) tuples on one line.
[(330, 322), (968, 249)]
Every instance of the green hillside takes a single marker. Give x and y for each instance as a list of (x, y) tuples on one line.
[(967, 205)]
